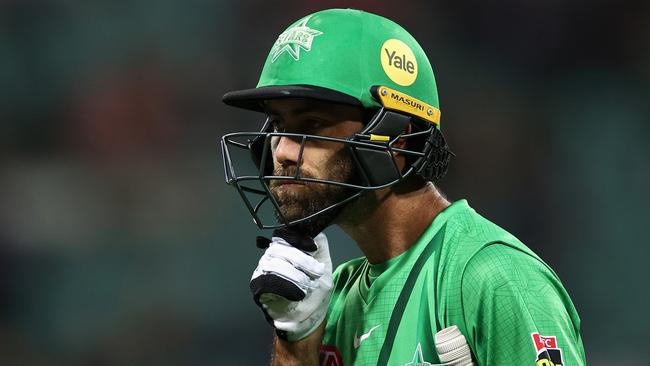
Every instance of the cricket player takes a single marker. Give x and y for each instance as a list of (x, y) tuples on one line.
[(352, 137)]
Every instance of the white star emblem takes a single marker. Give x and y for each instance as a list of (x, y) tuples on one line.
[(293, 39), (418, 359)]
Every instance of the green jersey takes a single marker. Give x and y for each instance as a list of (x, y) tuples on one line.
[(464, 271)]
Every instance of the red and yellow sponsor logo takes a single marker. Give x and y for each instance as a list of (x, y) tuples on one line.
[(548, 353)]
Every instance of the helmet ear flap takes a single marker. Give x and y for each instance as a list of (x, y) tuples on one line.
[(389, 124), (378, 166)]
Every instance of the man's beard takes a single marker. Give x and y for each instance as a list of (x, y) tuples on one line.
[(313, 197)]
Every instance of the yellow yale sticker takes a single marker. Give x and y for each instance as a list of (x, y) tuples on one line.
[(399, 62), (392, 99)]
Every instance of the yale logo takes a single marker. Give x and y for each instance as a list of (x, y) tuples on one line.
[(399, 62)]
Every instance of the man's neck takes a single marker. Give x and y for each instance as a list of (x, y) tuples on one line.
[(385, 223)]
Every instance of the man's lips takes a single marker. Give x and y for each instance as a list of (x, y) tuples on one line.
[(281, 183)]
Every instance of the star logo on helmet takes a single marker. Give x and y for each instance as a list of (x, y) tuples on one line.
[(293, 39)]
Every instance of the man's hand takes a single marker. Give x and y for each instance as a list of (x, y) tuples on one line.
[(293, 282)]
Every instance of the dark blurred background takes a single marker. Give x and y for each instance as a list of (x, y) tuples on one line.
[(120, 243)]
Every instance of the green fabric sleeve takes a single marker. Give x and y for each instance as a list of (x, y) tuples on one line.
[(508, 296)]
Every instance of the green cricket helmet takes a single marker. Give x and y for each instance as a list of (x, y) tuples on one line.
[(356, 58)]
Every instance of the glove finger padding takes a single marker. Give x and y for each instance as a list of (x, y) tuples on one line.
[(274, 284)]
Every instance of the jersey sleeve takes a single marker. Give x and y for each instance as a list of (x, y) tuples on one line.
[(517, 312)]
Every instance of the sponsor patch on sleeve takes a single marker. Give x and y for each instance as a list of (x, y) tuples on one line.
[(548, 353)]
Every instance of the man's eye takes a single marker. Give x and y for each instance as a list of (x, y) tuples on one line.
[(314, 124)]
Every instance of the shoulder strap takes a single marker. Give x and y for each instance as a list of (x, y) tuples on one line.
[(402, 300)]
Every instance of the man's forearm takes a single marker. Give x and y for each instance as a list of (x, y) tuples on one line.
[(301, 353)]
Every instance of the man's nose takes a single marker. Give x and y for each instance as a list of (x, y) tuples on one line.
[(287, 150)]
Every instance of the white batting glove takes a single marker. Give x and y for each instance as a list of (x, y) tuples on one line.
[(293, 282)]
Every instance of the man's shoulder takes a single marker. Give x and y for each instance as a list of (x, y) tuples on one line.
[(480, 259), (471, 237), (467, 225)]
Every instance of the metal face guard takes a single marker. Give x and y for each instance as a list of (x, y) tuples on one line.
[(372, 151)]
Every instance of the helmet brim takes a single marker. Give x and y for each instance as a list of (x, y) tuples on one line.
[(253, 99)]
